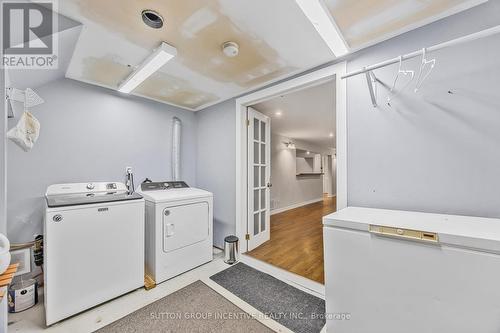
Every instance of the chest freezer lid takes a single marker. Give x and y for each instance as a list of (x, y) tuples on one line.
[(465, 231)]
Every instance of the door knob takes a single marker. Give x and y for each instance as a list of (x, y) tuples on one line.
[(269, 185)]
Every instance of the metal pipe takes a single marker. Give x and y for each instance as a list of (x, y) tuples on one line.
[(453, 42), (19, 246), (176, 148)]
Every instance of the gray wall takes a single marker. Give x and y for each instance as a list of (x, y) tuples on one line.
[(432, 151), (91, 134), (288, 189), (216, 165)]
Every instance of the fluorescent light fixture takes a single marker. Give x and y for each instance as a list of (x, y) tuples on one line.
[(154, 62), (318, 14)]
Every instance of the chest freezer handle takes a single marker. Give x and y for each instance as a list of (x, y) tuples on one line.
[(407, 234)]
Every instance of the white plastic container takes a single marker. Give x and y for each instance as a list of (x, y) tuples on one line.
[(4, 253)]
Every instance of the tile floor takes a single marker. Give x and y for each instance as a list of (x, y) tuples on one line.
[(32, 320)]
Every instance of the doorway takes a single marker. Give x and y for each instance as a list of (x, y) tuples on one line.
[(290, 177), (254, 187)]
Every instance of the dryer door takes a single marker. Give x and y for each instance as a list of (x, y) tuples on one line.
[(185, 225)]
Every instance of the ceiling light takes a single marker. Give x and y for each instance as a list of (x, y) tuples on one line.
[(230, 49), (153, 63), (308, 152), (330, 135), (278, 113), (152, 19), (320, 17)]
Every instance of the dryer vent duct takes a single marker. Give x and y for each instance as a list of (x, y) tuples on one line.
[(176, 148)]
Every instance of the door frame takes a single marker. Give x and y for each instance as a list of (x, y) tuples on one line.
[(330, 73)]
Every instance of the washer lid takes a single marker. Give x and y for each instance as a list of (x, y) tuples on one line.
[(89, 198), (174, 194), (90, 187)]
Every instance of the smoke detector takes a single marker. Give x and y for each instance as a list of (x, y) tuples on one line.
[(152, 19), (230, 49)]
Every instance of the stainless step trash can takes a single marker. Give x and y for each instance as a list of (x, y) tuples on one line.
[(230, 249)]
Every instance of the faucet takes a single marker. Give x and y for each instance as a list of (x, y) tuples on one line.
[(129, 183)]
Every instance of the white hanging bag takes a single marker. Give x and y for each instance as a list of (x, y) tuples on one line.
[(26, 132)]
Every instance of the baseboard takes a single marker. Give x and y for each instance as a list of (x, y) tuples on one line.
[(297, 205)]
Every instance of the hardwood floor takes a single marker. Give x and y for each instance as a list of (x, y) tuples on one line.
[(296, 243)]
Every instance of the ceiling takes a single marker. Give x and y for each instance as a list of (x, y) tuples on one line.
[(276, 40), (366, 22), (306, 115), (115, 39)]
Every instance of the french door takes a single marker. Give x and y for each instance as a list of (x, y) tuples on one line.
[(259, 172)]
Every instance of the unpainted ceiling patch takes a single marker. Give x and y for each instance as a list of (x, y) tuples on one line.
[(198, 21), (165, 87), (196, 29), (160, 86), (364, 21), (105, 71), (267, 75)]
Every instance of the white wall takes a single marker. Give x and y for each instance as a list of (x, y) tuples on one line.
[(433, 151), (91, 134), (289, 190), (215, 168)]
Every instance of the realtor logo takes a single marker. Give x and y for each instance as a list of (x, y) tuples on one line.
[(28, 39)]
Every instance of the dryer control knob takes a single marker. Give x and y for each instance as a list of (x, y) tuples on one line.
[(90, 186)]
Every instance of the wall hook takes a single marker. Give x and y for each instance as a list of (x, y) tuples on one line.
[(371, 80)]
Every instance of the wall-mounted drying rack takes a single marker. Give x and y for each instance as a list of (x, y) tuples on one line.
[(372, 79), (28, 97)]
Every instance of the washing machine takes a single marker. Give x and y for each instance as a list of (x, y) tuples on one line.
[(179, 231), (93, 246)]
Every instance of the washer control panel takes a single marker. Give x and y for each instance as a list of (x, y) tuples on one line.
[(159, 186)]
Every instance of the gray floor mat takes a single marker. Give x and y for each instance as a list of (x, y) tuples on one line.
[(192, 309), (293, 308)]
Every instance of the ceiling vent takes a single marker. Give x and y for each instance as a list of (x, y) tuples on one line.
[(152, 19)]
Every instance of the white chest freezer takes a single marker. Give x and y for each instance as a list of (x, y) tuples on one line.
[(394, 271)]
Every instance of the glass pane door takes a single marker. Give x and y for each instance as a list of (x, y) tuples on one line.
[(259, 172)]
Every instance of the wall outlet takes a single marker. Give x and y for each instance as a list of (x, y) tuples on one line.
[(23, 257), (274, 203)]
